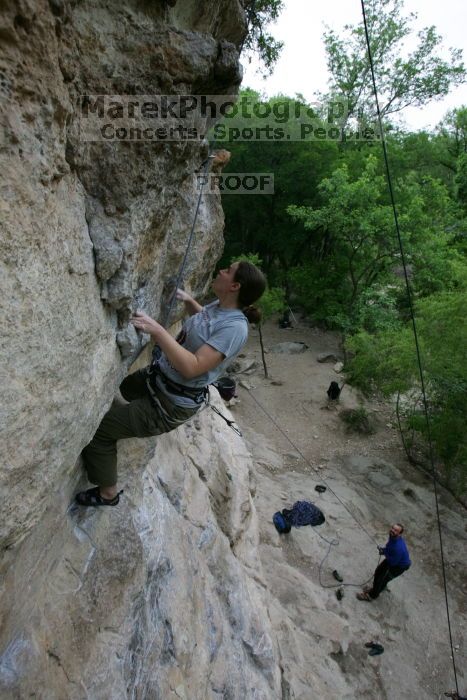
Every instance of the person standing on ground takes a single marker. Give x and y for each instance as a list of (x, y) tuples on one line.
[(394, 564), (171, 390)]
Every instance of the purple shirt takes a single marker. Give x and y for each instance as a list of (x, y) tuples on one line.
[(396, 552)]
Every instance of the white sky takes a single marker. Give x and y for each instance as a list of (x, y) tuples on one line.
[(302, 66)]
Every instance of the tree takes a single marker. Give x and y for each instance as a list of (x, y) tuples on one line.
[(387, 361), (259, 14), (402, 80), (461, 181), (298, 166), (454, 130), (353, 234)]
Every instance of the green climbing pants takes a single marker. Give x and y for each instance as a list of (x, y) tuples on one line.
[(141, 417)]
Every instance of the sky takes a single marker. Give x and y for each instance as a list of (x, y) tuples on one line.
[(302, 66)]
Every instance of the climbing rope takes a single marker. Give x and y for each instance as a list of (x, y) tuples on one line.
[(331, 543), (341, 584), (181, 271), (179, 278), (414, 326), (297, 449)]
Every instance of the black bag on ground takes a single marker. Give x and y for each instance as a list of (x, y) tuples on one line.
[(334, 391)]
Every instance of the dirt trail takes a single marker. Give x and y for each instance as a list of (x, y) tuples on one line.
[(370, 484)]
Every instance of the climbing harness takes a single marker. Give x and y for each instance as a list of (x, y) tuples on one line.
[(414, 328), (196, 394)]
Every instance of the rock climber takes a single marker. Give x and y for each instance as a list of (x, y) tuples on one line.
[(171, 390), (396, 561)]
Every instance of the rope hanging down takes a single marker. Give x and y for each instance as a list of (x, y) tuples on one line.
[(333, 542), (414, 327), (274, 422), (181, 272)]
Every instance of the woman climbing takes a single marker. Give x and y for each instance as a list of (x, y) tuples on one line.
[(171, 390)]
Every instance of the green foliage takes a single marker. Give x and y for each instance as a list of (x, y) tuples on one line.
[(259, 14), (461, 181), (353, 231), (252, 258), (388, 361), (261, 223), (326, 239), (452, 133), (376, 310), (357, 420), (272, 302), (403, 79)]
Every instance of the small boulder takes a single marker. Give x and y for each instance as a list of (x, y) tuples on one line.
[(289, 348), (245, 385), (241, 366), (327, 357)]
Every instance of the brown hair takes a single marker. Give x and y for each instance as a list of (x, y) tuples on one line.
[(401, 527), (252, 286)]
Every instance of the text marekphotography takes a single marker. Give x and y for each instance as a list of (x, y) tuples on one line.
[(220, 118)]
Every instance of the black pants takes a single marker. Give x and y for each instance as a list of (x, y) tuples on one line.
[(141, 417), (383, 574)]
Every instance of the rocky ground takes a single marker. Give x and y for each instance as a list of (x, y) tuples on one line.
[(369, 485)]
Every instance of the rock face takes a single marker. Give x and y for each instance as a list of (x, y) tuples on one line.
[(91, 231), (161, 597)]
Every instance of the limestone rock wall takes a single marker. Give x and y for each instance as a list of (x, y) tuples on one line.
[(91, 231), (159, 598)]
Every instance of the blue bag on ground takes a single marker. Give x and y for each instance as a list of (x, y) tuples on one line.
[(281, 524), (304, 513)]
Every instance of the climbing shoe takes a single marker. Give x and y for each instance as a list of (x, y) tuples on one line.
[(337, 576), (92, 497)]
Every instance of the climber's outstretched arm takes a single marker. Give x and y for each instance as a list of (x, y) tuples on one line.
[(189, 364)]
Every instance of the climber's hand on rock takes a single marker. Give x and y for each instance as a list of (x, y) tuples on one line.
[(182, 295), (145, 323)]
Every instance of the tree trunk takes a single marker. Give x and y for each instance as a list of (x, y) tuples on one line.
[(263, 357)]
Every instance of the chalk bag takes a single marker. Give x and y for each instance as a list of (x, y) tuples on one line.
[(226, 387)]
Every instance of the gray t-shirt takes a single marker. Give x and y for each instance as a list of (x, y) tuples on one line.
[(226, 330)]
